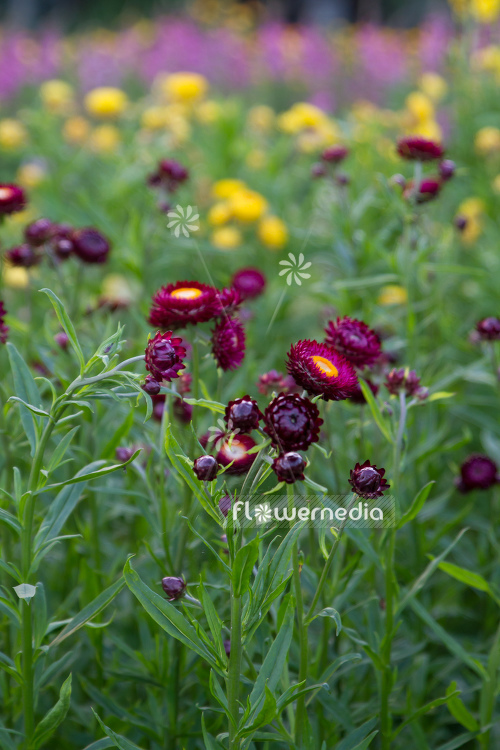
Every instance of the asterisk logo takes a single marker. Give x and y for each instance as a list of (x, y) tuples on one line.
[(183, 220), (294, 269), (221, 435), (263, 513)]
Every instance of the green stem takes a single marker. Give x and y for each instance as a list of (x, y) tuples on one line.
[(488, 691), (233, 681)]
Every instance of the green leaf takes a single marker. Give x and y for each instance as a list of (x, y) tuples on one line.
[(381, 422), (358, 739), (422, 711), (440, 395), (244, 562), (118, 741), (212, 405), (265, 715), (331, 612), (77, 479), (169, 618), (61, 449), (33, 409), (54, 717), (89, 611), (27, 391), (67, 326), (458, 709), (272, 667), (465, 576), (214, 622), (10, 520), (210, 742), (417, 505)]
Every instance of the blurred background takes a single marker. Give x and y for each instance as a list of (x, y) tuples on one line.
[(69, 15)]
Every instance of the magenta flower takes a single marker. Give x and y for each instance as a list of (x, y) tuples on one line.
[(292, 422), (354, 340), (416, 148), (228, 343), (185, 302), (321, 371), (164, 356), (368, 481)]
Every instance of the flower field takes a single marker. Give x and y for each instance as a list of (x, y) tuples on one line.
[(249, 345)]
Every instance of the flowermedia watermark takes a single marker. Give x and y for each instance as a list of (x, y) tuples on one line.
[(319, 511)]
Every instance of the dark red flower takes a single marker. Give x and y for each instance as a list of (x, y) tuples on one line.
[(489, 329), (358, 396), (38, 232), (477, 473), (416, 148), (292, 422), (4, 329), (354, 340), (12, 199), (335, 154), (151, 386), (243, 414), (177, 305), (274, 381), (62, 339), (173, 587), (234, 449), (447, 169), (249, 282), (407, 380), (289, 467), (321, 370), (225, 504), (63, 247), (164, 356), (206, 468), (24, 256), (90, 245), (169, 175), (123, 454), (368, 481), (318, 170), (228, 343), (229, 300)]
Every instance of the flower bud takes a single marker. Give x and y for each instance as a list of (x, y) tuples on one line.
[(206, 468), (173, 587)]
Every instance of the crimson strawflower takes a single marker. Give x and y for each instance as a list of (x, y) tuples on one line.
[(169, 175), (274, 381), (151, 386), (416, 148), (164, 356), (228, 343), (354, 340), (90, 245), (289, 467), (234, 450), (249, 282), (185, 302), (321, 370), (225, 505), (23, 256), (477, 472), (12, 199), (489, 329), (447, 169), (38, 232), (243, 414), (4, 328), (401, 379), (335, 154), (173, 587), (206, 468), (292, 422), (368, 481)]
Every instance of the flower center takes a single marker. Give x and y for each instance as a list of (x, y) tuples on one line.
[(5, 193), (234, 449), (326, 367), (186, 293)]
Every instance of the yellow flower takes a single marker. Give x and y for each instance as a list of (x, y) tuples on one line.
[(117, 289), (471, 207), (487, 140), (485, 11), (208, 112), (185, 87), (106, 102), (247, 205), (226, 238), (76, 130), (256, 159), (220, 213), (31, 174), (154, 118), (433, 85), (427, 129), (105, 139), (272, 232), (420, 106), (13, 134), (392, 295), (261, 118), (226, 188), (496, 184), (472, 230), (488, 59), (301, 116), (57, 96), (15, 277)]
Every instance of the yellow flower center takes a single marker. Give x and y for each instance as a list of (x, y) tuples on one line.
[(186, 293), (234, 449), (326, 367), (5, 193)]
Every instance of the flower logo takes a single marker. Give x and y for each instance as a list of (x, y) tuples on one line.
[(183, 220), (294, 269), (263, 513), (221, 435)]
